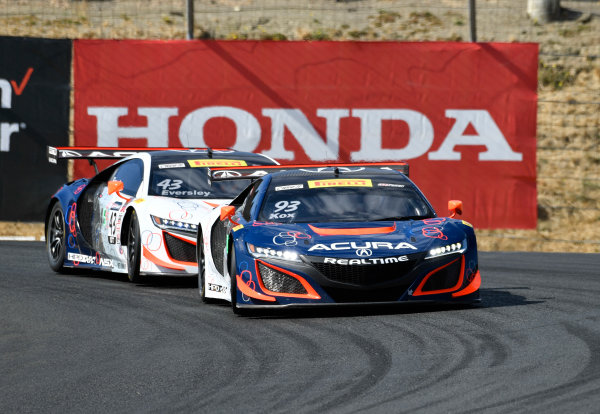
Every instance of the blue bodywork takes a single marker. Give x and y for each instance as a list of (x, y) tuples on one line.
[(68, 196), (433, 259)]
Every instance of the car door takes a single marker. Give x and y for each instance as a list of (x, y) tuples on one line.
[(110, 208)]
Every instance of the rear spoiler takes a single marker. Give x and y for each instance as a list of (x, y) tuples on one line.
[(107, 153), (237, 173)]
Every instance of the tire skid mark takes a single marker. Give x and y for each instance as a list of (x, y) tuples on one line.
[(587, 381), (379, 365), (445, 368)]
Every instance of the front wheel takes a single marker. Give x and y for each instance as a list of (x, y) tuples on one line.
[(133, 249), (56, 237)]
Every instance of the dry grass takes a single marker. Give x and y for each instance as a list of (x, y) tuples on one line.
[(569, 74)]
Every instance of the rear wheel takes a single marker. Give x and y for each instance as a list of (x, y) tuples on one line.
[(133, 249), (56, 237)]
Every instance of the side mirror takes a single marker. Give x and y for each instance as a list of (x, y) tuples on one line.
[(117, 186), (227, 212), (455, 207)]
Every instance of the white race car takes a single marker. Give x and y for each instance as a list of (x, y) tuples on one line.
[(140, 215)]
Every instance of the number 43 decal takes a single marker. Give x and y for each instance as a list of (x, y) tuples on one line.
[(168, 184)]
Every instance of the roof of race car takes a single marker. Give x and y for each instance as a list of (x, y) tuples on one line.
[(177, 155)]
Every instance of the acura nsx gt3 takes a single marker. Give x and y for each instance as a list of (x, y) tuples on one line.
[(139, 216), (337, 235)]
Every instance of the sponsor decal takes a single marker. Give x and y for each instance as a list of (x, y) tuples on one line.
[(236, 228), (289, 238), (466, 223), (434, 233), (178, 193), (116, 206), (371, 261), (364, 245), (390, 185), (78, 190), (289, 187), (226, 174), (84, 258), (364, 252), (217, 163), (217, 288), (173, 165), (346, 182)]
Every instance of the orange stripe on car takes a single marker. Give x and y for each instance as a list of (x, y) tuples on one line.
[(246, 290), (160, 262), (471, 287), (419, 291), (353, 232)]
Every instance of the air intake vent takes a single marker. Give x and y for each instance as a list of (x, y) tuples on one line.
[(445, 278), (180, 250), (276, 281)]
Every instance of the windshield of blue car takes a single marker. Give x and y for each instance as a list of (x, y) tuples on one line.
[(186, 182), (343, 200)]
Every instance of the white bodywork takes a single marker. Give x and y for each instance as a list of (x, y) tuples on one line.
[(154, 257), (217, 282)]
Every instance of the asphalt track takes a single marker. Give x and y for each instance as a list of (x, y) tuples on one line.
[(93, 342)]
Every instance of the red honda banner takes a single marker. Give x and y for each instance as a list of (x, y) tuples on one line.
[(462, 114)]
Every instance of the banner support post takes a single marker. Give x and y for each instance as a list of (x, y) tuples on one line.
[(190, 19), (472, 21)]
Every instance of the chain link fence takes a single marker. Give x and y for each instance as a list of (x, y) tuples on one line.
[(569, 70)]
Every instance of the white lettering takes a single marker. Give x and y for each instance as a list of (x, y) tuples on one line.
[(156, 132), (306, 135), (5, 94), (488, 135), (6, 130), (248, 132), (419, 140), (367, 245), (318, 148), (318, 247)]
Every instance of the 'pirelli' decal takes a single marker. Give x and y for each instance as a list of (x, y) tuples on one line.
[(217, 163), (345, 182)]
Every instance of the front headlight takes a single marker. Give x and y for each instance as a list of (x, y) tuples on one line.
[(167, 224), (447, 249), (268, 253)]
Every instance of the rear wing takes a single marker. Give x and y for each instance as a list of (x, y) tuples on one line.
[(237, 173), (107, 153)]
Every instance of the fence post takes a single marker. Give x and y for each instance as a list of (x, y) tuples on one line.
[(472, 20), (543, 11), (190, 19)]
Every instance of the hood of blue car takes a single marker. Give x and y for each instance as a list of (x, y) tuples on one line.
[(351, 240)]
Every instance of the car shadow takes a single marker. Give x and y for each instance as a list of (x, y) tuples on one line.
[(490, 298), (158, 282)]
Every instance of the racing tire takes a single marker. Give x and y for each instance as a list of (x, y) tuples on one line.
[(56, 237), (133, 249), (231, 266)]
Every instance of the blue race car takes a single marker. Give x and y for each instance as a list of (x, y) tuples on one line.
[(336, 235)]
